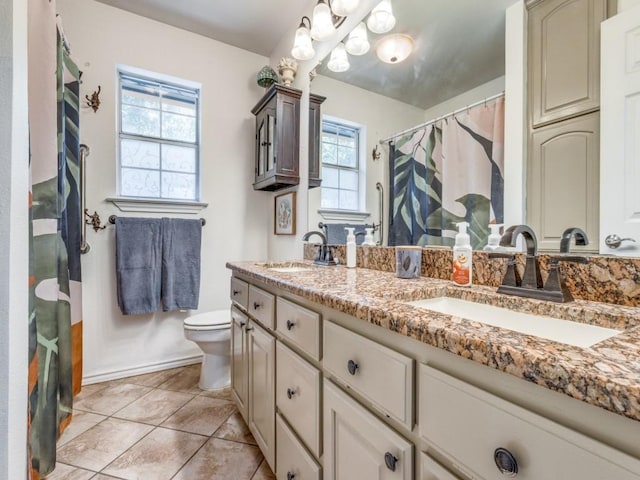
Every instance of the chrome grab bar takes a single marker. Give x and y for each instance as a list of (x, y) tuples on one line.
[(380, 211), (84, 153)]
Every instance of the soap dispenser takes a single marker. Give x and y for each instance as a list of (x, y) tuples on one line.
[(351, 247), (493, 242), (462, 271), (368, 237)]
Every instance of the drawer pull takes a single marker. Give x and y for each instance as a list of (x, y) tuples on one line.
[(256, 305), (242, 324), (248, 329), (291, 475), (290, 324), (352, 367), (390, 460), (290, 393), (236, 293), (506, 462)]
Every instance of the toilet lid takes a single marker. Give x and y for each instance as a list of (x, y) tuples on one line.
[(211, 320)]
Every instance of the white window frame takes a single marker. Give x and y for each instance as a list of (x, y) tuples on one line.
[(340, 213), (157, 204)]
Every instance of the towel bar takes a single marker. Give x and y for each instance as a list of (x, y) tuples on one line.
[(112, 219)]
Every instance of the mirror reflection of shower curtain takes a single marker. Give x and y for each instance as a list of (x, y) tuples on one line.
[(448, 172)]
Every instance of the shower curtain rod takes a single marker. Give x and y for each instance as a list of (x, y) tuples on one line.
[(442, 117)]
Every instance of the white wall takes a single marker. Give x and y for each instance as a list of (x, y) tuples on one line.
[(382, 117), (14, 254), (237, 217), (627, 4)]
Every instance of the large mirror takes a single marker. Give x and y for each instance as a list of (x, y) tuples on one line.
[(458, 59)]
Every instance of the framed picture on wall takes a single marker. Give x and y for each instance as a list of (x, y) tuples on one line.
[(285, 214)]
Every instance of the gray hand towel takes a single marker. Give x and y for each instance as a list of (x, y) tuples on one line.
[(138, 264), (337, 235), (181, 241)]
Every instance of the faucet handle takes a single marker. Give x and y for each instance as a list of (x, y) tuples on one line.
[(511, 277)]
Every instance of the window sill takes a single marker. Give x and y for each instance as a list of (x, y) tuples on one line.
[(328, 214), (150, 205)]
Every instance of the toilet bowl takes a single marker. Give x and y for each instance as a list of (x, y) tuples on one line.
[(211, 331)]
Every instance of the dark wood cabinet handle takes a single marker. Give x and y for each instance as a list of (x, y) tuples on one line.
[(352, 367), (290, 324), (290, 393), (390, 460), (506, 462)]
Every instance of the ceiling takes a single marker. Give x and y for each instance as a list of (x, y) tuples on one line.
[(459, 44)]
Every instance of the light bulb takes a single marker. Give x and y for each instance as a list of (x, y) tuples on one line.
[(302, 46), (322, 24), (357, 43), (339, 62), (381, 19), (342, 8)]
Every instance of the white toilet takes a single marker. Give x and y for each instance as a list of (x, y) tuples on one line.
[(212, 332)]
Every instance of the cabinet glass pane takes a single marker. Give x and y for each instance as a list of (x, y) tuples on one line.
[(271, 159), (140, 183), (262, 135), (136, 153), (180, 186), (179, 159)]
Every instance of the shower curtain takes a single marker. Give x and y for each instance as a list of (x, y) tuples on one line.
[(55, 326), (448, 172)]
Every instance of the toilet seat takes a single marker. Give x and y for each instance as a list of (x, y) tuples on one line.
[(216, 320)]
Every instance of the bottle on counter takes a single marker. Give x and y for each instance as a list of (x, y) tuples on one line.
[(368, 237), (493, 242), (462, 268), (351, 247)]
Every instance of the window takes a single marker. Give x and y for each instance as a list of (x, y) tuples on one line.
[(158, 138), (341, 172)]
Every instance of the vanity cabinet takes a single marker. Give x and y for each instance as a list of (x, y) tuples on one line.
[(315, 133), (239, 361), (564, 58), (564, 174), (358, 445), (277, 138)]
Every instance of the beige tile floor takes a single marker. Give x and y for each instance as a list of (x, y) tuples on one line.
[(158, 426)]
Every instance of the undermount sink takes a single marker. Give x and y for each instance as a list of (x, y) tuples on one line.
[(287, 267), (556, 329)]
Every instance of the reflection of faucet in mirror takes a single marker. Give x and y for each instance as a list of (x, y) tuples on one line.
[(565, 242), (324, 256)]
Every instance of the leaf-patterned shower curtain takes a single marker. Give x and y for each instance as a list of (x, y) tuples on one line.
[(445, 173), (55, 333)]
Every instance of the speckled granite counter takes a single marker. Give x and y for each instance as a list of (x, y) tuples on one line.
[(606, 375)]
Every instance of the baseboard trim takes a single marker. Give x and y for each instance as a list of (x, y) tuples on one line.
[(140, 370)]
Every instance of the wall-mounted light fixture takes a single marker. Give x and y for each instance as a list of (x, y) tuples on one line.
[(381, 19), (302, 45), (338, 62), (358, 43)]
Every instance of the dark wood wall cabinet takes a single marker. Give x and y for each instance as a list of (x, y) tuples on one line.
[(315, 130), (277, 138)]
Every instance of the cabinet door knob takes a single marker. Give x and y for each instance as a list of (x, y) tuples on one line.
[(352, 367), (236, 293), (506, 462), (256, 305), (248, 329), (290, 393), (242, 324), (390, 460), (291, 475), (290, 324)]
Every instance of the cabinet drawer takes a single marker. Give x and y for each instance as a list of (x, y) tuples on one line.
[(300, 326), (432, 470), (239, 292), (261, 306), (293, 461), (298, 395), (382, 375), (357, 445), (469, 424)]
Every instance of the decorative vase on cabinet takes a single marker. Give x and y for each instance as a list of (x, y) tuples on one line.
[(277, 138)]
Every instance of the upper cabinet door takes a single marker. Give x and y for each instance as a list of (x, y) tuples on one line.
[(564, 58)]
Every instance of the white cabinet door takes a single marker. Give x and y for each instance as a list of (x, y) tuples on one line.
[(620, 141), (239, 360), (262, 347), (359, 446)]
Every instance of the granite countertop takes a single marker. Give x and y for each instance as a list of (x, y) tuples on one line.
[(606, 374)]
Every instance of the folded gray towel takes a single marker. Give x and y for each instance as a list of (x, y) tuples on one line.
[(138, 264), (181, 241), (337, 235)]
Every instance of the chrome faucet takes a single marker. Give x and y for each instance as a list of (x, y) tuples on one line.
[(565, 241), (530, 285), (324, 256)]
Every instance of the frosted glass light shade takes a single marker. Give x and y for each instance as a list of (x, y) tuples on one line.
[(322, 23), (394, 48), (302, 46), (357, 43), (342, 8), (381, 19), (339, 62)]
